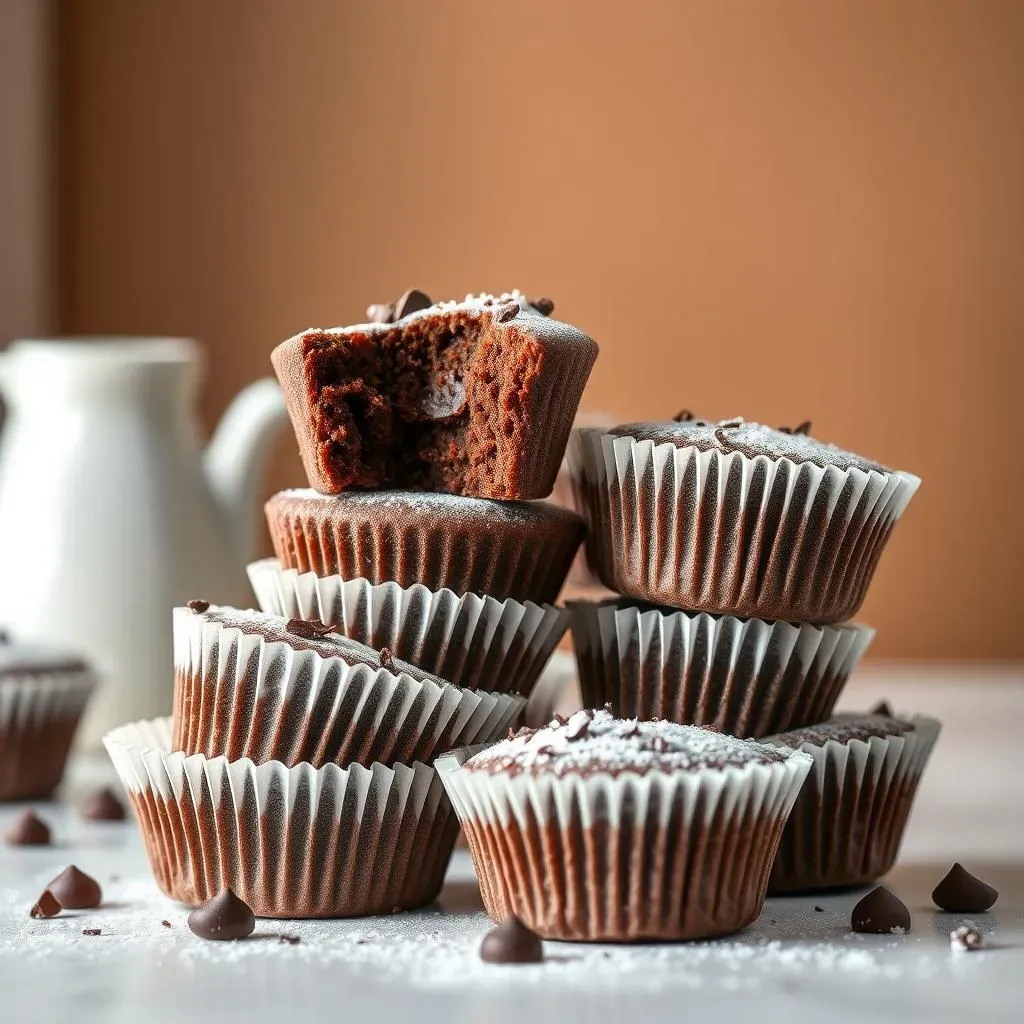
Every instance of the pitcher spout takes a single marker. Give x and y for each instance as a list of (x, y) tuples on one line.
[(236, 457)]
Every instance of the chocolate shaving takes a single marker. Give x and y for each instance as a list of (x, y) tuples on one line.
[(543, 305), (308, 630), (198, 606)]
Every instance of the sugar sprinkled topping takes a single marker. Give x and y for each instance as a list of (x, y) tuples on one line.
[(842, 729), (597, 741)]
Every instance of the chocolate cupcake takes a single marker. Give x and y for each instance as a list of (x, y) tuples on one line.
[(601, 829), (745, 677), (505, 549), (474, 398), (266, 688), (294, 842), (849, 819), (734, 518), (472, 641), (43, 693)]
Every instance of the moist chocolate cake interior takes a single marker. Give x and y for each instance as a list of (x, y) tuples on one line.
[(428, 403)]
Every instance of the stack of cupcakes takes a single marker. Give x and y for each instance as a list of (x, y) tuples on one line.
[(739, 554), (408, 612)]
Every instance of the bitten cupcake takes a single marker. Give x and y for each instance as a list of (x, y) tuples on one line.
[(473, 398), (746, 677), (603, 829), (735, 518), (43, 693), (257, 686), (505, 549), (849, 819)]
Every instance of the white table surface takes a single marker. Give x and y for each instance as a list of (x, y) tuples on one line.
[(794, 964)]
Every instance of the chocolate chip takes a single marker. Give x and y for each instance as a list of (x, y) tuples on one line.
[(961, 893), (880, 913), (966, 938), (91, 931), (27, 829), (381, 313), (76, 890), (511, 943), (883, 707), (308, 630), (543, 305), (291, 940), (386, 661), (198, 606), (412, 302), (507, 312), (45, 906), (102, 805), (224, 917)]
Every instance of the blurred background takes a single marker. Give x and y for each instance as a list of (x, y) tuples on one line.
[(780, 209)]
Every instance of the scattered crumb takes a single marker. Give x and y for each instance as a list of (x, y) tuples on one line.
[(291, 940), (166, 924), (966, 938), (897, 930), (92, 931), (820, 910)]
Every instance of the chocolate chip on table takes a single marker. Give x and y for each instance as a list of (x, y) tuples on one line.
[(198, 606), (46, 906), (880, 913), (224, 917), (102, 805), (412, 302), (75, 890), (27, 829), (966, 938), (961, 893), (511, 943)]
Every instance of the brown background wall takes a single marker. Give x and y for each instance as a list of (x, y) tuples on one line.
[(785, 210)]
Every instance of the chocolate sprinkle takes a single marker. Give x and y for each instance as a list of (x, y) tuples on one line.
[(223, 918), (76, 890), (961, 893), (308, 630), (880, 913), (45, 906), (411, 302), (511, 943), (91, 931), (198, 606), (507, 312), (102, 805), (27, 829), (543, 305)]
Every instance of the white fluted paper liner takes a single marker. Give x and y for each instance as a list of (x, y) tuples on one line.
[(627, 857), (746, 677), (848, 822), (470, 640), (291, 842), (239, 695), (39, 714), (727, 533)]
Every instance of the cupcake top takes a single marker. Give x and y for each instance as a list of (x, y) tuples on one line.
[(751, 439), (303, 635), (18, 659), (842, 729), (595, 741)]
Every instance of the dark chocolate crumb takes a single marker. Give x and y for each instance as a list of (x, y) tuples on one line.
[(166, 924), (198, 606), (291, 940), (543, 305), (507, 312), (386, 661), (91, 931), (308, 630), (820, 910)]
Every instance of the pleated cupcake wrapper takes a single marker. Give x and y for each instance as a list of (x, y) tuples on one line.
[(291, 842), (39, 714), (848, 822), (728, 533), (428, 551), (629, 857), (746, 677), (471, 641), (239, 695)]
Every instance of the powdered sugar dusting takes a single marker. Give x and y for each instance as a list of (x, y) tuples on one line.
[(597, 741), (842, 729)]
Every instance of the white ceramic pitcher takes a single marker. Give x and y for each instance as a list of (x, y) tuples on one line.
[(110, 513)]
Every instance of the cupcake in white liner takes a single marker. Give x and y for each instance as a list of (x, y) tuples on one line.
[(734, 518), (601, 829), (746, 677), (267, 688), (849, 819), (294, 842), (471, 640), (43, 693)]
